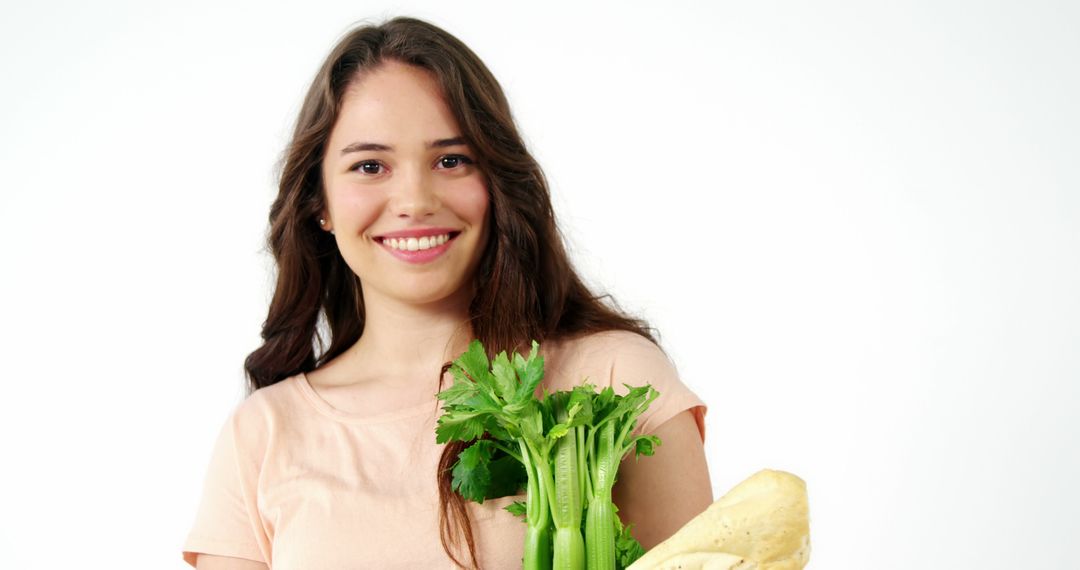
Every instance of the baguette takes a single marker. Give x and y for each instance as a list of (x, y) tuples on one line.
[(760, 524)]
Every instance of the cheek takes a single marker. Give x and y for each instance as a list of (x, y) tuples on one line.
[(356, 210), (471, 203)]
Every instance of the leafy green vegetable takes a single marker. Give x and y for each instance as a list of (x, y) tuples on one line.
[(564, 448), (483, 472), (517, 508), (627, 548)]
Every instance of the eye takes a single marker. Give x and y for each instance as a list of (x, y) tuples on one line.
[(367, 167), (451, 161)]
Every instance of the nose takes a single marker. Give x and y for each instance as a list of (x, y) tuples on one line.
[(415, 197)]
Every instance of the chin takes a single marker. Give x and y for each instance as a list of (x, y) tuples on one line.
[(422, 296)]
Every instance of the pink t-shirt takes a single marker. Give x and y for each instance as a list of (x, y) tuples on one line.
[(297, 484)]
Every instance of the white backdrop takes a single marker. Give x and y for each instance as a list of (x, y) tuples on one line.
[(855, 226)]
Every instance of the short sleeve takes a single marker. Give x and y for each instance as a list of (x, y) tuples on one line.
[(638, 361), (227, 522)]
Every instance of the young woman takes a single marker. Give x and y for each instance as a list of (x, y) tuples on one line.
[(412, 219)]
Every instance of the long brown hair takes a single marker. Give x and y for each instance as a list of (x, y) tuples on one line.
[(525, 286)]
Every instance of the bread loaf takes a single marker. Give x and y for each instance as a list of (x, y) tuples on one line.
[(760, 524)]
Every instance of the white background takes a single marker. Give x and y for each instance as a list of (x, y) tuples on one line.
[(854, 224)]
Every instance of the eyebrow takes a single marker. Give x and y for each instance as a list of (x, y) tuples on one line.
[(438, 143)]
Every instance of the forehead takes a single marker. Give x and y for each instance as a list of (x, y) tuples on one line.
[(395, 103)]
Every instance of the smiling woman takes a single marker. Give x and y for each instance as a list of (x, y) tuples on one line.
[(411, 217), (386, 200)]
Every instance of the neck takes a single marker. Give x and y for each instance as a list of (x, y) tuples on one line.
[(406, 340)]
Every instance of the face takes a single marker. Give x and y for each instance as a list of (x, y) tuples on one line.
[(405, 200)]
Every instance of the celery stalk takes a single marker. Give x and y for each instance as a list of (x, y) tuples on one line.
[(538, 529), (600, 533), (599, 520), (566, 505)]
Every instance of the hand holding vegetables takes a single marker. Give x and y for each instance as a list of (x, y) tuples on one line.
[(565, 446)]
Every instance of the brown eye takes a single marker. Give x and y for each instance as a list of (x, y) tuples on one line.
[(451, 161), (367, 167)]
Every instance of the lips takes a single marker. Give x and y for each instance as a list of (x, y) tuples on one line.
[(418, 233), (418, 246)]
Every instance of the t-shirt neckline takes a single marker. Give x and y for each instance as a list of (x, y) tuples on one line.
[(324, 407)]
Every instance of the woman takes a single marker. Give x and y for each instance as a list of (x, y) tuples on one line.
[(412, 218)]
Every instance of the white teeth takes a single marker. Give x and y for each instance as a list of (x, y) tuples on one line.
[(414, 244)]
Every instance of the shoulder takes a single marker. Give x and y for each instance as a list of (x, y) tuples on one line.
[(265, 399), (622, 347), (607, 358), (257, 414), (606, 342), (637, 360)]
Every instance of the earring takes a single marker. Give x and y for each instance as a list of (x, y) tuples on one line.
[(322, 222)]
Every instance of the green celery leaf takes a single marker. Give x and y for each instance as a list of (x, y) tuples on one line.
[(531, 423), (494, 426), (627, 548), (482, 401), (557, 431), (459, 425), (517, 508), (460, 374), (580, 405), (474, 362), (603, 403), (471, 475), (645, 444), (506, 381), (514, 409), (628, 407), (634, 401), (530, 371), (462, 390)]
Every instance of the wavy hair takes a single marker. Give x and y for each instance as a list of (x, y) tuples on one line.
[(525, 286)]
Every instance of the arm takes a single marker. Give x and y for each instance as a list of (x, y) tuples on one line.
[(227, 520), (210, 562), (659, 494)]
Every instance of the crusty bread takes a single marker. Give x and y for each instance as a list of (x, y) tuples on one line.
[(761, 524)]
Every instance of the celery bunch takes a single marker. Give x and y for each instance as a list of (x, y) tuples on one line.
[(565, 447)]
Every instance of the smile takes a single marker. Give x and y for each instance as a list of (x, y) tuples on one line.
[(418, 249), (416, 244)]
